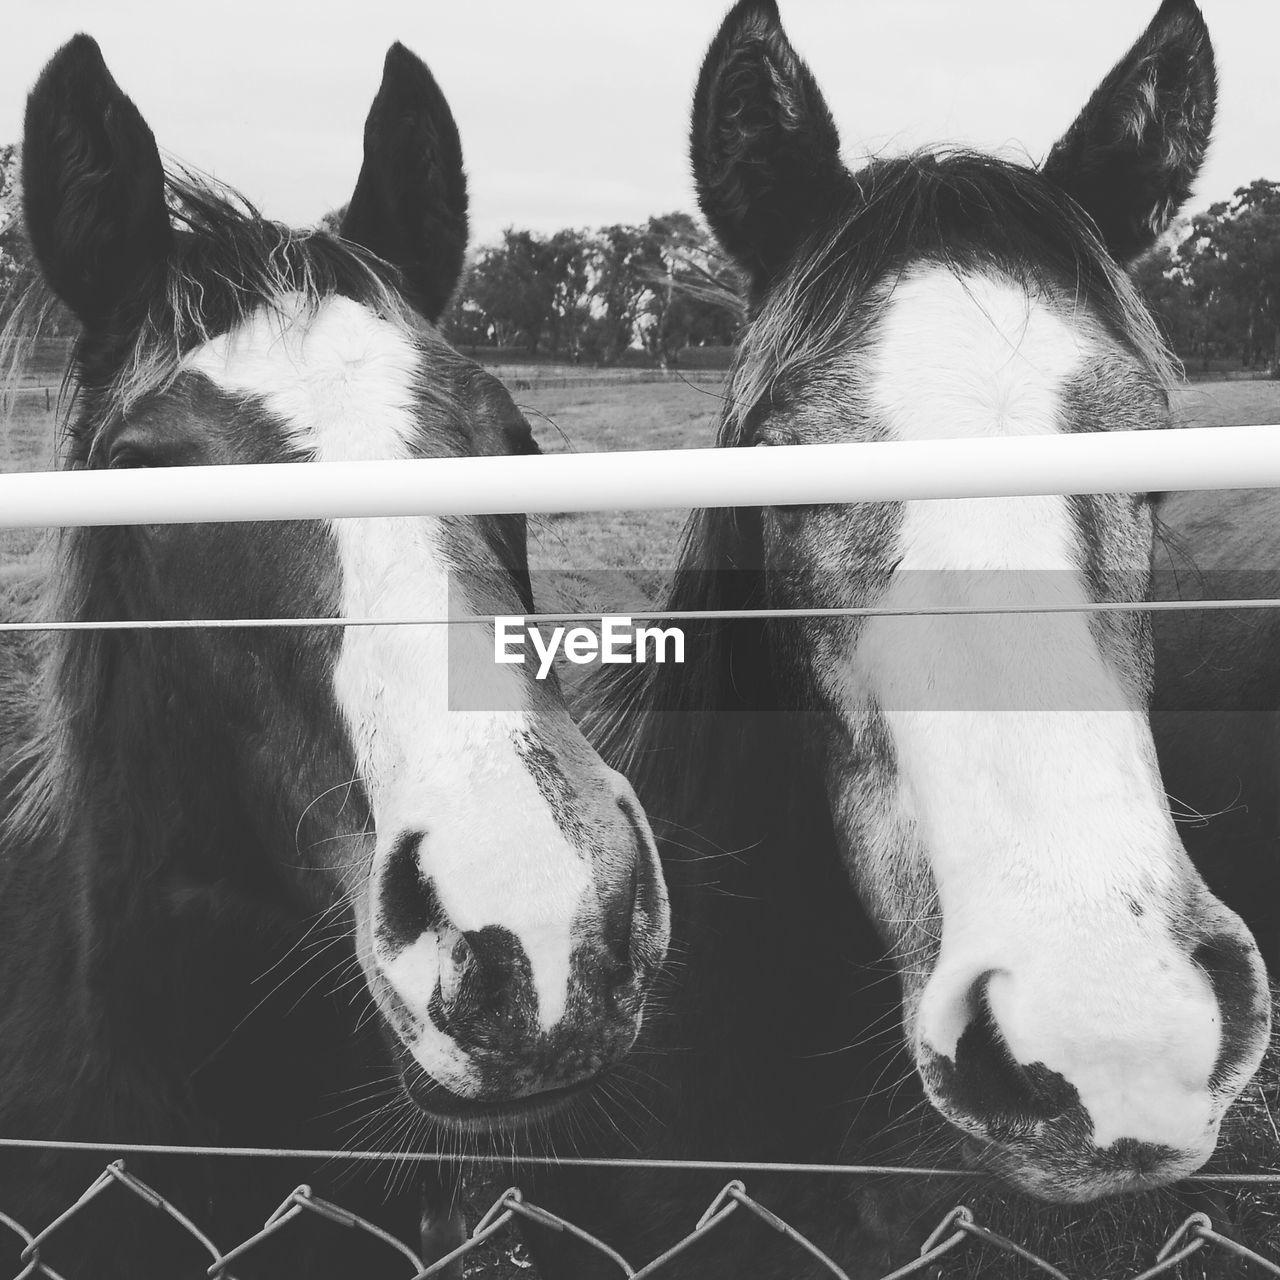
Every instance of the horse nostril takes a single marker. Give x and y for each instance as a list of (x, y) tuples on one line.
[(623, 945), (623, 981), (991, 1085), (622, 917), (642, 937), (1232, 965), (408, 905), (457, 961), (484, 997)]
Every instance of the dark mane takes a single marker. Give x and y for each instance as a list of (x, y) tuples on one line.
[(962, 210)]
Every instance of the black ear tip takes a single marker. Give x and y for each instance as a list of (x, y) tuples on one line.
[(1179, 25), (408, 81), (749, 10), (75, 78), (402, 62), (83, 49), (749, 17), (79, 58), (1182, 15)]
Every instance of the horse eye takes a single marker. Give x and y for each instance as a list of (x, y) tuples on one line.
[(775, 437), (127, 459)]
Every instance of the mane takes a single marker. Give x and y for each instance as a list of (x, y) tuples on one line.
[(961, 210), (227, 263)]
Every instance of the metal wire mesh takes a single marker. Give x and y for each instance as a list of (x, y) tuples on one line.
[(957, 1231)]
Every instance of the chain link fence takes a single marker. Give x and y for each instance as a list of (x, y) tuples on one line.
[(956, 1231)]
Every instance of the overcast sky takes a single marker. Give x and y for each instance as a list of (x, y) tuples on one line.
[(575, 112)]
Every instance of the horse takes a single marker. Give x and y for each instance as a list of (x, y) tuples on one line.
[(266, 887), (930, 904)]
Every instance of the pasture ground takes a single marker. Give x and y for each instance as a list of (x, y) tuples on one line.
[(640, 546)]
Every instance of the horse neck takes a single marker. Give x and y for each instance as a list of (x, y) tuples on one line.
[(766, 929), (715, 755), (138, 917), (137, 816), (57, 837)]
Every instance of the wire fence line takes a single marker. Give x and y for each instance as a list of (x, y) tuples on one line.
[(653, 615), (955, 1232), (1204, 1178)]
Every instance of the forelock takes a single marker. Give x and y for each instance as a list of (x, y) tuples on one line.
[(965, 211)]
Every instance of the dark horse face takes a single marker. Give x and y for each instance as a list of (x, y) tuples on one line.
[(1074, 997), (503, 885)]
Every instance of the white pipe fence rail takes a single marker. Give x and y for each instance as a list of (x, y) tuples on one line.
[(1086, 462)]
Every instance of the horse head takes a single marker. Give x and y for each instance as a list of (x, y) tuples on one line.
[(1076, 1001), (498, 884)]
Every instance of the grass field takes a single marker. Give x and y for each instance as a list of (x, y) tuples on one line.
[(608, 419)]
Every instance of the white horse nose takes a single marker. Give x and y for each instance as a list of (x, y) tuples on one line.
[(1136, 1050), (1021, 1055)]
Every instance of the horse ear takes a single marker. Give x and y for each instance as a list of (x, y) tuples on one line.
[(93, 186), (765, 150), (410, 202), (1135, 150)]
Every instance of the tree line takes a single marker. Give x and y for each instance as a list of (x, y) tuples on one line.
[(1214, 282), (658, 286), (13, 250), (653, 289)]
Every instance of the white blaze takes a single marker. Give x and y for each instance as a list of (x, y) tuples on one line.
[(342, 383), (1045, 822)]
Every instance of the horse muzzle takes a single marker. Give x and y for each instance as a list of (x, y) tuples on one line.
[(1075, 1077), (486, 1016)]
